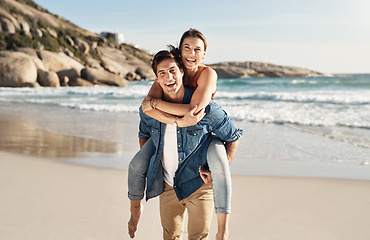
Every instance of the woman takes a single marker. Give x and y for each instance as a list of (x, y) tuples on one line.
[(203, 80)]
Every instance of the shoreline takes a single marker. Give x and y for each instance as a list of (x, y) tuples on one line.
[(43, 199), (109, 140)]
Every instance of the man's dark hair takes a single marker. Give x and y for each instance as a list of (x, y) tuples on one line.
[(172, 53)]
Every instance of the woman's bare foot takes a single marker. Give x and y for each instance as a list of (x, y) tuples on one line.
[(221, 236), (135, 210)]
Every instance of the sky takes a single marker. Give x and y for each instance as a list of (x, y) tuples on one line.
[(329, 36)]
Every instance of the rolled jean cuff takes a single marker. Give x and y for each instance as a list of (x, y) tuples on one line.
[(135, 197), (223, 210)]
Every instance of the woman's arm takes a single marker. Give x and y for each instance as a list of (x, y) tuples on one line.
[(169, 112), (207, 83), (156, 93), (202, 95)]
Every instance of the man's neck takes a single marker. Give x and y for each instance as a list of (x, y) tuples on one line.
[(177, 97)]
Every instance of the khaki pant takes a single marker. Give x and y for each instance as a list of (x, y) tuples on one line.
[(200, 209)]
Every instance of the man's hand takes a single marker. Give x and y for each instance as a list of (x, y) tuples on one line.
[(205, 175), (136, 210), (145, 104), (190, 118)]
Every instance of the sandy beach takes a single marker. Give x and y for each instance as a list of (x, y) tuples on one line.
[(42, 199), (63, 176)]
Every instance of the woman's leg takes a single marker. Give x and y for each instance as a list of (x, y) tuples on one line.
[(220, 171), (137, 170)]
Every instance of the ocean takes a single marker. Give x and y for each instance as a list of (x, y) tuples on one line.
[(317, 120)]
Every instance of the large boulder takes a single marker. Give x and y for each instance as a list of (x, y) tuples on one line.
[(69, 40), (48, 79), (24, 26), (32, 54), (7, 25), (79, 82), (56, 62), (70, 73), (101, 76), (8, 22), (17, 70), (82, 46)]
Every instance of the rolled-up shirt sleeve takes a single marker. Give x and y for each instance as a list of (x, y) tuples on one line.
[(222, 126), (143, 127)]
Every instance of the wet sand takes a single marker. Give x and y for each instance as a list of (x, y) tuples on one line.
[(18, 136)]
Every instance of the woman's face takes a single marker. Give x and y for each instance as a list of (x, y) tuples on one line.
[(192, 52)]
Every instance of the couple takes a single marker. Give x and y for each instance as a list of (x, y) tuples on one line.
[(176, 149)]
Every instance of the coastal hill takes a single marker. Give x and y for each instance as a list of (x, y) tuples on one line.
[(260, 69), (38, 48)]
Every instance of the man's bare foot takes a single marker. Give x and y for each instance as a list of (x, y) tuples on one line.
[(135, 210)]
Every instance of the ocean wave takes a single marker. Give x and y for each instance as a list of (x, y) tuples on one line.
[(348, 108), (102, 107), (299, 114), (329, 97)]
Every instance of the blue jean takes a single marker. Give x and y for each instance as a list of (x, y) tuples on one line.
[(217, 162)]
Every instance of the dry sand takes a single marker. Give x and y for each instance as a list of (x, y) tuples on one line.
[(43, 199)]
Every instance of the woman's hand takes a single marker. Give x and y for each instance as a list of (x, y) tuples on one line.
[(146, 104), (190, 119), (205, 175)]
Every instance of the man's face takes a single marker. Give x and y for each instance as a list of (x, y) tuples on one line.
[(169, 76)]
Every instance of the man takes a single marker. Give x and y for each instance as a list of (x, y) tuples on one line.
[(173, 171)]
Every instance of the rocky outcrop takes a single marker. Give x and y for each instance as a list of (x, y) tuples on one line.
[(30, 68), (44, 49), (259, 69), (60, 50)]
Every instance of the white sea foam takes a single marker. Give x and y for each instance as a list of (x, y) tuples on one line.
[(268, 100), (331, 97)]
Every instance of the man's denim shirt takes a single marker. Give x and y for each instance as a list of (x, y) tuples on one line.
[(192, 145)]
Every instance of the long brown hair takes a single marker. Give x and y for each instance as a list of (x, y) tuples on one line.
[(194, 33)]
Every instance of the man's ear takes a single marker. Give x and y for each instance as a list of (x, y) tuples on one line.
[(204, 55)]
